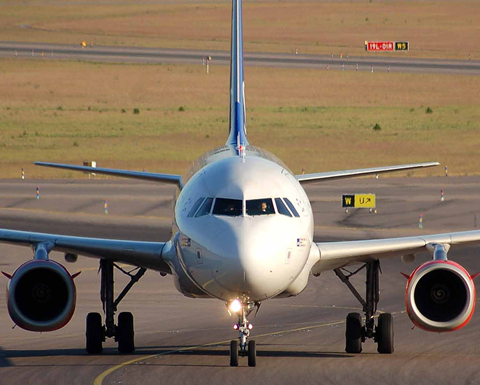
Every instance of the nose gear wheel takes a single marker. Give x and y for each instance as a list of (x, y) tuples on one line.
[(244, 347)]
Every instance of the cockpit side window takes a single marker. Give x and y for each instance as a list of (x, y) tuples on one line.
[(195, 207), (291, 207), (260, 207), (281, 208), (228, 207), (204, 208)]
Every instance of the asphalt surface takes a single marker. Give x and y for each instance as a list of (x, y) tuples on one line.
[(185, 341), (183, 56)]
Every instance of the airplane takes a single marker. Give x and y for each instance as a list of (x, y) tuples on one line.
[(242, 233)]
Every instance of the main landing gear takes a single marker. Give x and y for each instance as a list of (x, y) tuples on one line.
[(243, 347), (123, 332), (357, 333)]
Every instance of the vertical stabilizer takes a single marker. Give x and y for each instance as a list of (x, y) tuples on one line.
[(238, 129)]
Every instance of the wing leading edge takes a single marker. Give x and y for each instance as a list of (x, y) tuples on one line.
[(308, 178), (150, 176), (338, 254), (143, 254)]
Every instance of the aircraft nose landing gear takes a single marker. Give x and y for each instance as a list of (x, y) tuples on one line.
[(243, 347)]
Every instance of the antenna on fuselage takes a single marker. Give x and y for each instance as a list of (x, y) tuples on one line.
[(237, 123)]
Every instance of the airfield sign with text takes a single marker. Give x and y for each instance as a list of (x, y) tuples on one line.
[(366, 201), (386, 46)]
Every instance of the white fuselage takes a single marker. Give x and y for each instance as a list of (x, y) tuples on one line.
[(246, 251)]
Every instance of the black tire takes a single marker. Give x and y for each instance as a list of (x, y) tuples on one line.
[(252, 353), (233, 353), (384, 334), (125, 333), (353, 333), (94, 333)]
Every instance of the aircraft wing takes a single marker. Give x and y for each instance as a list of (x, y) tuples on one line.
[(339, 254), (308, 178), (143, 254), (151, 176)]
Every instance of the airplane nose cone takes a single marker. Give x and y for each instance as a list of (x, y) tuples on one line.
[(255, 255)]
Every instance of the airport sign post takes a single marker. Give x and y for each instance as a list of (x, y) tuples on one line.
[(359, 201), (386, 46)]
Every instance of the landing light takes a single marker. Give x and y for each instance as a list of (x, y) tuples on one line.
[(235, 306)]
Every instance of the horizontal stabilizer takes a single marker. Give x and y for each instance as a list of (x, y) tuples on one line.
[(307, 178), (150, 176)]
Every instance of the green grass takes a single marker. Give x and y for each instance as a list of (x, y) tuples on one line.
[(72, 112), (325, 138)]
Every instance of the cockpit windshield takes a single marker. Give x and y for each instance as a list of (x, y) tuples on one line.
[(262, 206), (292, 207), (228, 207), (234, 207), (282, 209), (195, 207), (205, 208)]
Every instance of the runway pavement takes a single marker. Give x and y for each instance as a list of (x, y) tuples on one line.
[(182, 56), (184, 341)]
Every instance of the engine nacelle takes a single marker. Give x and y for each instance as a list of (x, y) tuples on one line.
[(440, 296), (41, 296)]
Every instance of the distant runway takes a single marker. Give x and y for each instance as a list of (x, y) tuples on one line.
[(183, 56), (185, 341)]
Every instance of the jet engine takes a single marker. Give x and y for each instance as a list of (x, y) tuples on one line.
[(41, 296), (440, 296)]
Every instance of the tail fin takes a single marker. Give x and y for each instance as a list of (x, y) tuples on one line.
[(238, 129)]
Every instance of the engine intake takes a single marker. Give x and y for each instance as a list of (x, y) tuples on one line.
[(41, 296), (440, 296)]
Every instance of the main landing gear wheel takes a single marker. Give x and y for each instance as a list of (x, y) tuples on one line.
[(384, 334), (353, 333), (356, 333), (95, 333), (125, 333), (234, 353), (252, 353)]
